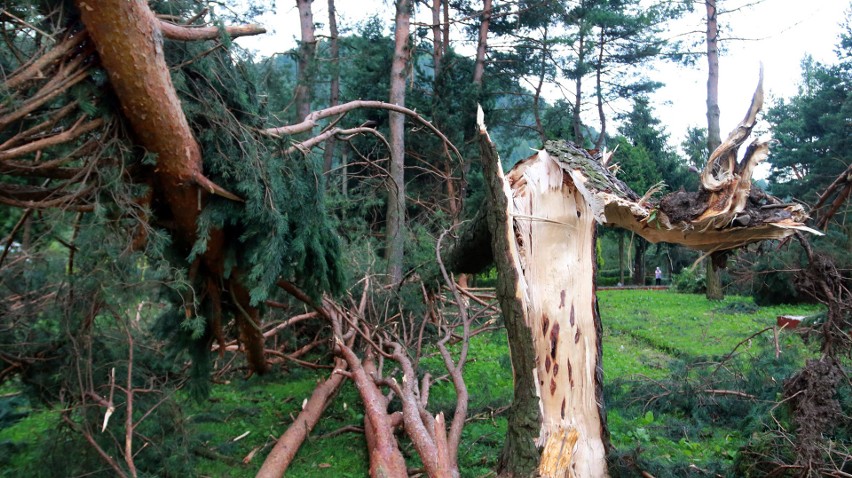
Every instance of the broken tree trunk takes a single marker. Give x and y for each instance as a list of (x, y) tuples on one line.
[(541, 218)]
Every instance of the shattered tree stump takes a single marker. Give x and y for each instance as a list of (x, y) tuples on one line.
[(541, 219)]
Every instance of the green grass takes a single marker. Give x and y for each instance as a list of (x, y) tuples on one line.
[(18, 441), (647, 335), (685, 324)]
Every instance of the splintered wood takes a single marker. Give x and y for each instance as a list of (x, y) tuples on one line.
[(554, 236), (557, 453)]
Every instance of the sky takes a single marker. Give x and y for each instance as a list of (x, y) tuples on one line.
[(778, 33)]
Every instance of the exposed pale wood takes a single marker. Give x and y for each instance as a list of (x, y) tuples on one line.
[(542, 216), (554, 232)]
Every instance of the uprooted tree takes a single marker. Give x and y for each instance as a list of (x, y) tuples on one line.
[(541, 219)]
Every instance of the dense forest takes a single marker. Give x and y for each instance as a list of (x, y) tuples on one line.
[(372, 211)]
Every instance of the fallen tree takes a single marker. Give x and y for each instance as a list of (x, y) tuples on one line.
[(541, 219)]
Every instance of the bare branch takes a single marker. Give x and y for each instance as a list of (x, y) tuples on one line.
[(186, 33), (312, 120)]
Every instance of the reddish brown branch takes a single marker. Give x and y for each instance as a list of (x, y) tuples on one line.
[(844, 181), (35, 69), (330, 133), (73, 133), (43, 126), (46, 94), (287, 323), (385, 456), (100, 451), (285, 449), (11, 237), (735, 393)]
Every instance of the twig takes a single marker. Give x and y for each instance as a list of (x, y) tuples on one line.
[(735, 393), (731, 353)]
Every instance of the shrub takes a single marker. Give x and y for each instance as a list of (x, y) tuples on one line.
[(690, 281)]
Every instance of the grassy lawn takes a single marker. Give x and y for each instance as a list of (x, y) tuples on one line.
[(648, 336)]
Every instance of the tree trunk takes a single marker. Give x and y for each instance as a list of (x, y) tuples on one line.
[(714, 135), (713, 277), (437, 43), (599, 90), (482, 44), (446, 25), (307, 50), (128, 38), (477, 79), (713, 281), (334, 87), (520, 455), (395, 231), (539, 127), (621, 258), (454, 199), (541, 218), (551, 317), (578, 85), (639, 248)]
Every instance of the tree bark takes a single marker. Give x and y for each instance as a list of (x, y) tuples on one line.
[(437, 42), (621, 258), (713, 281), (713, 277), (714, 135), (639, 248), (334, 87), (128, 39), (482, 43), (395, 230), (578, 85), (520, 455), (599, 90), (285, 448), (307, 50)]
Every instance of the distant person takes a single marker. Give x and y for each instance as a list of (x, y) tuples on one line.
[(658, 276)]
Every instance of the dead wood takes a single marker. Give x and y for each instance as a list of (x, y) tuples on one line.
[(194, 33), (285, 449), (541, 218), (436, 445)]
